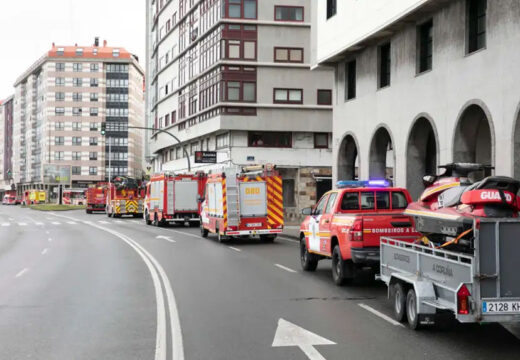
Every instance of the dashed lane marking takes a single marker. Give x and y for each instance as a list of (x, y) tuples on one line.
[(21, 273), (56, 223), (103, 222), (285, 268), (5, 224), (22, 224), (49, 239), (187, 234), (381, 315), (38, 223), (45, 251), (234, 248), (71, 222)]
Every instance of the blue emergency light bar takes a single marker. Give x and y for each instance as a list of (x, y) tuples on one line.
[(345, 184)]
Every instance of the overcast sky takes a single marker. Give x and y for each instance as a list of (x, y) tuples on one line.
[(29, 27)]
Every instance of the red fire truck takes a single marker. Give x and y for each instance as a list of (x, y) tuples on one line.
[(125, 196), (243, 203), (174, 199), (97, 197), (74, 197), (10, 198)]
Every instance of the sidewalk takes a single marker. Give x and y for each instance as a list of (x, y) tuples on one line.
[(292, 231)]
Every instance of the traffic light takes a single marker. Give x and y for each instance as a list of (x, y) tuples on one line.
[(103, 128)]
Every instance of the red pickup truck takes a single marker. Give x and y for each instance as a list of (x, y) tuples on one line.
[(347, 224)]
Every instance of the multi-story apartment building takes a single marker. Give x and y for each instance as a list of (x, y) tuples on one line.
[(421, 83), (61, 102), (6, 143), (233, 76)]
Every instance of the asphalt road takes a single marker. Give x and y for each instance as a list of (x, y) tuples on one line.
[(77, 286)]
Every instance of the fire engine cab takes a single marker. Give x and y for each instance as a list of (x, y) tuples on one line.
[(347, 224), (243, 203)]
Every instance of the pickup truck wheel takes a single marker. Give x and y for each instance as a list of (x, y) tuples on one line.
[(411, 310), (309, 261), (203, 232), (399, 302), (342, 271)]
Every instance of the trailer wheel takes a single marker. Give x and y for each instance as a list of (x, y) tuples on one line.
[(203, 232), (411, 310), (309, 261), (399, 302), (342, 271)]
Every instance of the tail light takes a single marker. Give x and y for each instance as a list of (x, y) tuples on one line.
[(463, 300), (357, 230)]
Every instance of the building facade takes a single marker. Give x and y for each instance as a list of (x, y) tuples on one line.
[(233, 76), (59, 105), (421, 83), (6, 144)]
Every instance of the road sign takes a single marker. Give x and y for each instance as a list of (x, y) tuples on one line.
[(56, 174), (289, 334), (205, 157)]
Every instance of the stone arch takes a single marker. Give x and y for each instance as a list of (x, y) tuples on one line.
[(473, 139), (421, 153), (382, 154), (348, 158)]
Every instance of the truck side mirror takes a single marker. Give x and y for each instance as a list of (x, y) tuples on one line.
[(307, 211), (429, 180)]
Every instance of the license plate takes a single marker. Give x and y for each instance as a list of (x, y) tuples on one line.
[(501, 307), (254, 224)]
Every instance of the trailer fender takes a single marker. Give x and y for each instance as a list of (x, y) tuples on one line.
[(424, 291)]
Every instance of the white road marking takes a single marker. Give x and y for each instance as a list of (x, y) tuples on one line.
[(381, 315), (38, 223), (119, 221), (45, 251), (22, 224), (21, 273), (285, 268), (167, 238), (6, 224), (47, 232), (158, 276), (288, 239), (187, 234), (49, 239), (103, 222), (234, 248), (71, 222), (56, 223), (11, 219)]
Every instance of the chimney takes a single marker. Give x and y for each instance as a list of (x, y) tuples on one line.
[(53, 45), (96, 41), (76, 44), (104, 43)]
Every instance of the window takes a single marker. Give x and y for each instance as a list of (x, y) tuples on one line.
[(324, 97), (76, 140), (288, 186), (59, 81), (330, 204), (94, 111), (76, 170), (94, 67), (168, 25), (95, 51), (115, 53), (76, 155), (250, 50), (60, 67), (288, 96), (77, 82), (367, 201), (233, 49), (194, 147), (94, 97), (93, 126), (174, 116), (59, 126), (76, 126), (92, 156), (60, 51), (77, 96), (93, 141), (331, 8), (94, 82), (249, 9), (321, 141), (60, 96), (59, 155), (167, 120), (383, 200), (59, 111), (288, 13), (318, 210), (384, 65), (294, 55), (59, 140), (425, 46), (476, 24), (399, 200), (237, 9), (79, 52), (77, 111), (270, 139), (350, 80), (350, 201), (222, 141), (77, 67), (240, 91), (92, 170)]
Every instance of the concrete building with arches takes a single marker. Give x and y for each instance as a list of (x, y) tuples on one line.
[(421, 83)]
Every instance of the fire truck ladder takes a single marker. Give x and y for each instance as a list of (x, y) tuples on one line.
[(232, 199)]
